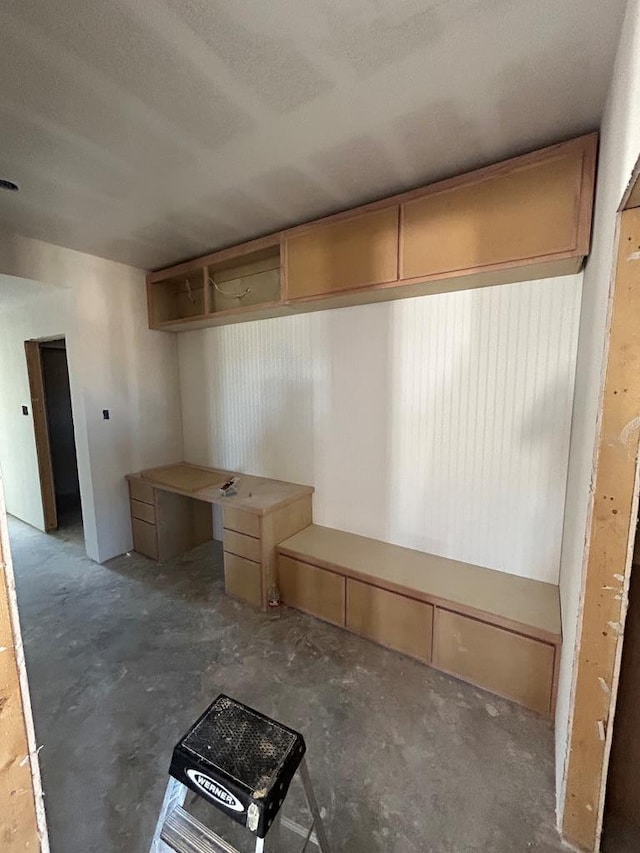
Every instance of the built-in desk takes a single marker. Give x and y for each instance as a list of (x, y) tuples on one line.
[(171, 513)]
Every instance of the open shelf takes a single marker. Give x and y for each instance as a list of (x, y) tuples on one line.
[(179, 297), (244, 282)]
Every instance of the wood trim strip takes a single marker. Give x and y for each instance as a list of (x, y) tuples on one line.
[(41, 433), (556, 676), (230, 312), (584, 211), (206, 290), (284, 266), (524, 630), (609, 555)]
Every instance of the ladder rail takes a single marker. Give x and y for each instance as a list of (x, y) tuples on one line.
[(184, 833), (318, 825)]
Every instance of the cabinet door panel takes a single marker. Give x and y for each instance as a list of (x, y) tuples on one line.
[(343, 255), (392, 620), (141, 491), (513, 666), (241, 521), (241, 545), (243, 579), (312, 589), (145, 539), (143, 511), (530, 212)]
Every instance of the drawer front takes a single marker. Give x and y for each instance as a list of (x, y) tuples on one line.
[(141, 491), (143, 511), (354, 252), (312, 590), (241, 521), (392, 620), (243, 579), (516, 667), (145, 540), (242, 545)]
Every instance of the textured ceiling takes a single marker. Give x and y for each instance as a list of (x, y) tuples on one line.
[(148, 131)]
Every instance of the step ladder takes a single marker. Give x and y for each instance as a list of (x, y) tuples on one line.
[(241, 762)]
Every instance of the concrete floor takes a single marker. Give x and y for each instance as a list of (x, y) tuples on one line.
[(123, 657)]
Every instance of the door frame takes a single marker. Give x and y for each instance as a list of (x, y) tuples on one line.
[(608, 545)]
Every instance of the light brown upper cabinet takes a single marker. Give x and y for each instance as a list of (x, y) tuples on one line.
[(529, 210), (229, 286), (525, 218), (356, 251), (178, 297)]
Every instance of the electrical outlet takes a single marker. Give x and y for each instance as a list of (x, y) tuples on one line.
[(105, 414)]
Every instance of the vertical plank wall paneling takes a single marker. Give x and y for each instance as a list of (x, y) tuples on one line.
[(440, 423)]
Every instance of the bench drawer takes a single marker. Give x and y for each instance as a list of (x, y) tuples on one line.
[(242, 545), (141, 491), (516, 667), (145, 539), (243, 579), (241, 521), (312, 590), (392, 620), (143, 511)]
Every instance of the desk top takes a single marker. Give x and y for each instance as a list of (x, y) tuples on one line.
[(257, 495)]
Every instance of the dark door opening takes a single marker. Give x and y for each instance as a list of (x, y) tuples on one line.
[(57, 395), (54, 433)]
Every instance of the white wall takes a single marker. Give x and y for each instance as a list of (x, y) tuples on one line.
[(439, 423), (115, 363), (619, 148)]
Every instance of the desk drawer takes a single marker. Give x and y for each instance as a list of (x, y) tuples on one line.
[(392, 620), (312, 590), (243, 579), (241, 521), (242, 545), (145, 539), (143, 511), (141, 491), (516, 667)]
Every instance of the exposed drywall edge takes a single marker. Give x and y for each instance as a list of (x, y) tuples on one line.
[(589, 501), (6, 569), (604, 598)]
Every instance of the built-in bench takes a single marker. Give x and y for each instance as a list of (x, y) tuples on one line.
[(496, 630)]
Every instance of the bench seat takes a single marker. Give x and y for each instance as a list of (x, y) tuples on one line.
[(497, 630)]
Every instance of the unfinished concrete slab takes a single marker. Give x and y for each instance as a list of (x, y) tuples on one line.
[(122, 657)]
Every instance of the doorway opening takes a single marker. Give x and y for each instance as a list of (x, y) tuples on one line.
[(54, 433)]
